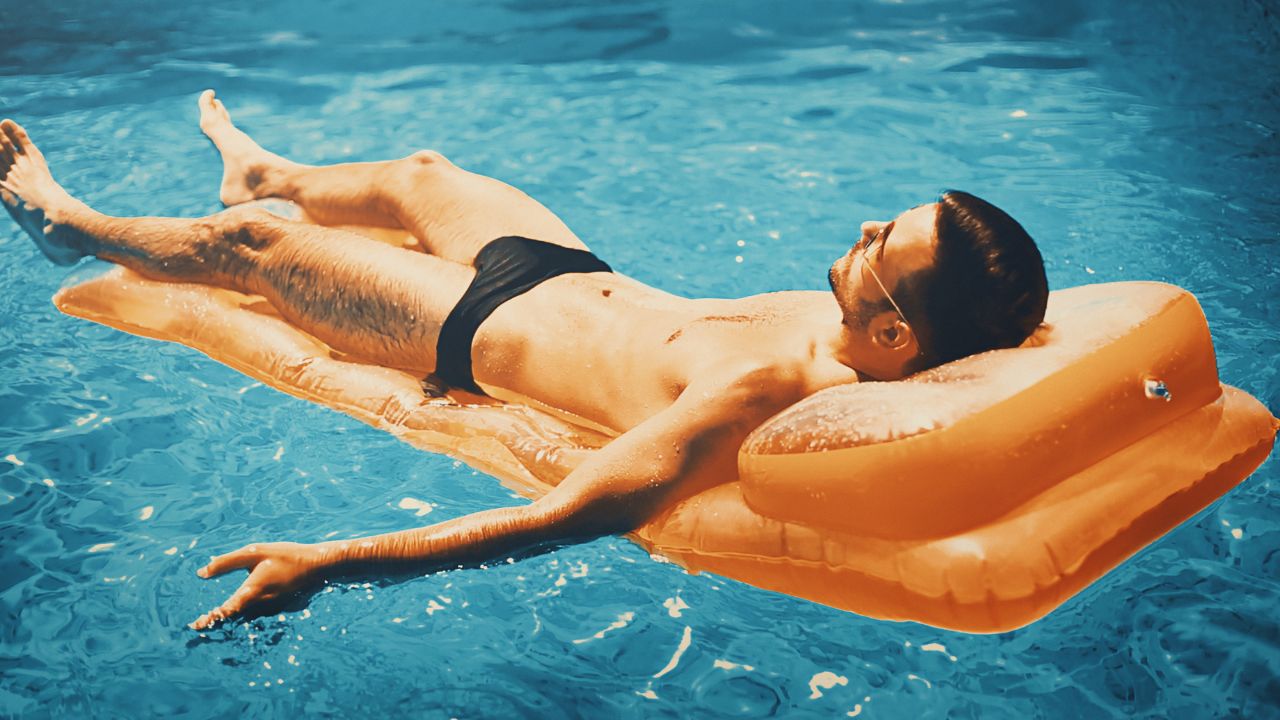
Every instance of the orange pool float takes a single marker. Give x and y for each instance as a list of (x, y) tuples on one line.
[(978, 496)]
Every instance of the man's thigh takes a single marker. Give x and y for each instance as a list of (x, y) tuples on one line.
[(454, 213)]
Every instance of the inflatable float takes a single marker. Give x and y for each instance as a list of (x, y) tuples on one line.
[(977, 496)]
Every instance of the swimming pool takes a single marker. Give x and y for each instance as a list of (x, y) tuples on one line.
[(709, 150)]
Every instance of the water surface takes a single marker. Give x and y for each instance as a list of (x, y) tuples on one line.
[(709, 149)]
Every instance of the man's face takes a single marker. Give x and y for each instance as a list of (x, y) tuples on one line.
[(894, 250)]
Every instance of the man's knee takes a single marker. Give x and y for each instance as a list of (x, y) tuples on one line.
[(247, 228), (421, 168), (429, 158)]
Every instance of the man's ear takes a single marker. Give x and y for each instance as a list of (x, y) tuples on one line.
[(889, 332)]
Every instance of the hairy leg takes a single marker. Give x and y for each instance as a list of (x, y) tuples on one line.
[(360, 296), (452, 212)]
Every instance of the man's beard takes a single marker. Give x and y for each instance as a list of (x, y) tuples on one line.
[(864, 310)]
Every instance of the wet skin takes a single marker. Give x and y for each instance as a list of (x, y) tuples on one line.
[(681, 381)]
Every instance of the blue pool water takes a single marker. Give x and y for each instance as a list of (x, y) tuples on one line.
[(706, 148)]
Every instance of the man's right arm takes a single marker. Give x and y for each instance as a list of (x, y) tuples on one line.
[(687, 448)]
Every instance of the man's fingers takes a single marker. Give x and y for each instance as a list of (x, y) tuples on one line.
[(276, 570), (229, 609), (208, 620), (245, 557)]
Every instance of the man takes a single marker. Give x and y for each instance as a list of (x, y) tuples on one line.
[(508, 301)]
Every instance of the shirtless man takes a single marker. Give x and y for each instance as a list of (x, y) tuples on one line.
[(683, 381)]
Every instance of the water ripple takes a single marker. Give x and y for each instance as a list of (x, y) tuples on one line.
[(706, 155)]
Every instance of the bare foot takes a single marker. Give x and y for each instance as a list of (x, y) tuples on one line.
[(33, 198), (244, 163)]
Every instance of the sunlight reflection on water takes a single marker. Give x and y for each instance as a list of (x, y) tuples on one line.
[(707, 152)]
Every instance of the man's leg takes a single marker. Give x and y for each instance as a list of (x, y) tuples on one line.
[(452, 212), (360, 296)]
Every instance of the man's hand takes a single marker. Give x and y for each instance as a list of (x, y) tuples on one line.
[(676, 453), (276, 571)]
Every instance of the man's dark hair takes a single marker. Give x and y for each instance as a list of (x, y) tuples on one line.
[(986, 288)]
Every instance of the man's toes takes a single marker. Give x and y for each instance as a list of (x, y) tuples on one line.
[(18, 142), (14, 136), (211, 108)]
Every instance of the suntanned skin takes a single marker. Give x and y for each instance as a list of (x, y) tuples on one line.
[(683, 381)]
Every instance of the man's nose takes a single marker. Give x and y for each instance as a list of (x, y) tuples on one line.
[(870, 228)]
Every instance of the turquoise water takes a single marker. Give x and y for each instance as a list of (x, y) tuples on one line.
[(709, 149)]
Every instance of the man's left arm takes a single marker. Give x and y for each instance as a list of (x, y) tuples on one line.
[(690, 446)]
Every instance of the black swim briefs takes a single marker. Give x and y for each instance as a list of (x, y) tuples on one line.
[(505, 268)]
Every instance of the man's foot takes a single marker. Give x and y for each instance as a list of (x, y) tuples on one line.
[(33, 198), (244, 163)]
